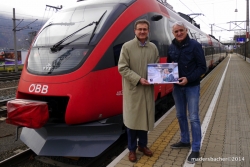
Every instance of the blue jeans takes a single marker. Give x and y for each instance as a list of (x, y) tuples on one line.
[(132, 138), (188, 98)]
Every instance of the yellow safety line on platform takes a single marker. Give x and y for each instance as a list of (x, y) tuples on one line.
[(163, 140), (159, 145)]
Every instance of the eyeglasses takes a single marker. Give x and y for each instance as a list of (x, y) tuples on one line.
[(142, 29)]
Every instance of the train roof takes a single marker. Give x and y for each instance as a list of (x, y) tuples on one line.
[(188, 21), (88, 2)]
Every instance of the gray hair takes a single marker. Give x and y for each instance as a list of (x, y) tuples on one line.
[(141, 21), (179, 23)]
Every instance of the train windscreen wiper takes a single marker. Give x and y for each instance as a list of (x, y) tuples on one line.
[(92, 35), (58, 46)]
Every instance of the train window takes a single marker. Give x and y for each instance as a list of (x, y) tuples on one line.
[(76, 24), (117, 50), (207, 51), (204, 50), (77, 29), (42, 61)]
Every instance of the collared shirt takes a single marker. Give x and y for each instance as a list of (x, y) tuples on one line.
[(143, 44)]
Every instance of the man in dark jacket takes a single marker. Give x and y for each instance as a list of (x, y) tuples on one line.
[(191, 61)]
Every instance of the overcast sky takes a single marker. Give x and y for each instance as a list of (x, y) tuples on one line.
[(217, 12), (31, 8)]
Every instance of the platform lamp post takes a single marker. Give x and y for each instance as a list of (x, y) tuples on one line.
[(235, 45)]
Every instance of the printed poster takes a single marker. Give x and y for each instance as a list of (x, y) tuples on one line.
[(163, 73)]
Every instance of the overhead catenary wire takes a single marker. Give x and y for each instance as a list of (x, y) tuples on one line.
[(198, 7), (193, 12)]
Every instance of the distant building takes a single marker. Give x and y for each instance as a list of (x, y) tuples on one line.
[(7, 57)]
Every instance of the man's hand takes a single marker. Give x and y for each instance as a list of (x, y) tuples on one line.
[(182, 81), (144, 81)]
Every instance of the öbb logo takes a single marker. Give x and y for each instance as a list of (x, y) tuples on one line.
[(37, 88)]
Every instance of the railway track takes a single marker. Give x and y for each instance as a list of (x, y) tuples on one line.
[(6, 94), (29, 158), (4, 76), (8, 87), (17, 159), (3, 108)]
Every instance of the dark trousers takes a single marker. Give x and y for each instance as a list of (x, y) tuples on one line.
[(132, 138)]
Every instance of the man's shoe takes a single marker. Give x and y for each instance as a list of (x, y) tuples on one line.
[(132, 156), (181, 145), (146, 151), (193, 157)]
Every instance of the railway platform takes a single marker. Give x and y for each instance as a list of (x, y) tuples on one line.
[(225, 119)]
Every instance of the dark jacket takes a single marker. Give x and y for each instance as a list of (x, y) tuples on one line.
[(190, 58)]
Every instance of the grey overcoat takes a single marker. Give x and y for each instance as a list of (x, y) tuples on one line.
[(138, 100)]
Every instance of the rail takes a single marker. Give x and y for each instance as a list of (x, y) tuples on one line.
[(16, 159)]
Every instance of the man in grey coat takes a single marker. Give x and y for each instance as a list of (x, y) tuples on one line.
[(138, 94)]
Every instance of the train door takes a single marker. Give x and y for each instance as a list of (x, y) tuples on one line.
[(160, 35), (109, 61), (112, 55), (126, 35)]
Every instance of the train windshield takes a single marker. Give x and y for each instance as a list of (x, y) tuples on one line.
[(43, 61), (66, 40), (70, 22)]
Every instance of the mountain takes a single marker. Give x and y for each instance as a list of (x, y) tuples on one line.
[(26, 30)]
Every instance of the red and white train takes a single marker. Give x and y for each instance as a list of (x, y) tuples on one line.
[(71, 70)]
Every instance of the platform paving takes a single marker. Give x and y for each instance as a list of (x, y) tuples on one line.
[(226, 138)]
